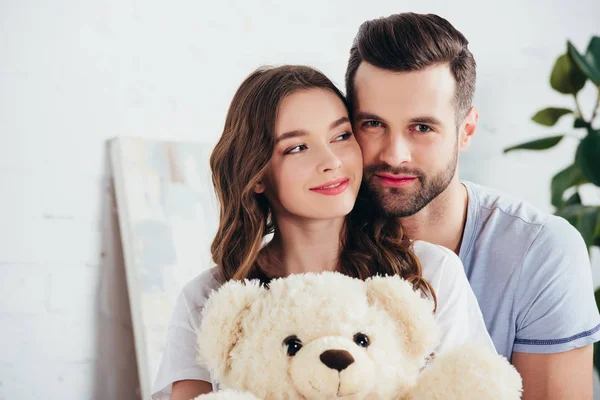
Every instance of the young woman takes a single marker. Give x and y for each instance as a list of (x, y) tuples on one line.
[(288, 164)]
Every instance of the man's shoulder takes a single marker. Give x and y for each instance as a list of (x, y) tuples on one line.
[(505, 205), (518, 224)]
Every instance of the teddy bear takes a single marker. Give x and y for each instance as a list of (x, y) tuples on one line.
[(330, 336)]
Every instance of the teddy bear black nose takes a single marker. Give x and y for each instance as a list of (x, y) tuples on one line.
[(337, 359)]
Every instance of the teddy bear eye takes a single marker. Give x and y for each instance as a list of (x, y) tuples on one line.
[(293, 345), (362, 340)]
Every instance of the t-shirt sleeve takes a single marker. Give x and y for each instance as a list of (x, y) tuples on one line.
[(179, 361), (554, 301), (458, 313)]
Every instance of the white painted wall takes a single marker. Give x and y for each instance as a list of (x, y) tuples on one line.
[(74, 74)]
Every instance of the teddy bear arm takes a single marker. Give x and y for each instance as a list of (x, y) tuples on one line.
[(227, 395), (468, 372)]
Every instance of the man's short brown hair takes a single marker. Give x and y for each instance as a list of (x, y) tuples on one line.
[(411, 42)]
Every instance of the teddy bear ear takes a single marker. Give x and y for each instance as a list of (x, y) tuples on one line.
[(412, 313), (221, 327)]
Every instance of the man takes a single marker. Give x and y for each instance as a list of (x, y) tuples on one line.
[(410, 83)]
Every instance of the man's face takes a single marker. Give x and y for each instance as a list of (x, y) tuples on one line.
[(405, 125)]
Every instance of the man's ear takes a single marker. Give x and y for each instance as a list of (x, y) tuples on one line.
[(413, 315), (467, 129), (221, 323)]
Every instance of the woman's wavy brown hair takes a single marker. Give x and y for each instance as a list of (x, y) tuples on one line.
[(370, 243)]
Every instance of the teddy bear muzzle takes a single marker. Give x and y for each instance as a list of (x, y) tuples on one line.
[(343, 370)]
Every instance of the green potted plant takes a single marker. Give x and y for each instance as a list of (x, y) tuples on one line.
[(570, 73)]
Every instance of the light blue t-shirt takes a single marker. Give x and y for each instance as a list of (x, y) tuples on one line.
[(531, 274)]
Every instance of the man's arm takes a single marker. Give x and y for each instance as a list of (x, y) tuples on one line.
[(564, 376)]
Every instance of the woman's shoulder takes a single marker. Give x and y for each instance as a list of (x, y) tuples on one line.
[(437, 260), (197, 290)]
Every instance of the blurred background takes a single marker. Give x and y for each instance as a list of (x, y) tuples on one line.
[(74, 74)]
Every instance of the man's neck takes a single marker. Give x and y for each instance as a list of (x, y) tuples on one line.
[(304, 246), (443, 220)]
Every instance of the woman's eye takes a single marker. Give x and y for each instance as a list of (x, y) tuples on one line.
[(372, 124), (296, 149), (293, 345), (344, 136), (422, 128)]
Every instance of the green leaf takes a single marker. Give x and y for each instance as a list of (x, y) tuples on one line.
[(584, 219), (592, 55), (587, 157), (597, 355), (539, 144), (597, 231), (597, 344), (590, 64), (549, 116), (565, 179), (574, 199), (566, 77), (586, 225), (580, 123), (564, 212)]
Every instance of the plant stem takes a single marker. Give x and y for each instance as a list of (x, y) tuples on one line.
[(578, 106), (596, 107)]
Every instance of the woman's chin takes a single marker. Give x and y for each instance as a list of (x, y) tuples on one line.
[(323, 210), (334, 212)]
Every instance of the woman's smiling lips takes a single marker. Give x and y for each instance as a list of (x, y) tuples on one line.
[(395, 180), (332, 188)]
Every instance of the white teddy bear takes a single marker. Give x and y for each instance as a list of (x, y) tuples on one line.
[(329, 336)]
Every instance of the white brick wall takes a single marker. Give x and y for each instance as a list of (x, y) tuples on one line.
[(74, 74)]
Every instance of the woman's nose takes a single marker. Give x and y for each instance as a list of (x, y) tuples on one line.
[(329, 162)]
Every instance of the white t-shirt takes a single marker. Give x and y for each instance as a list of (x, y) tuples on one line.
[(458, 316)]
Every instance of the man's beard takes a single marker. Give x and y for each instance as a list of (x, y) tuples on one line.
[(400, 202)]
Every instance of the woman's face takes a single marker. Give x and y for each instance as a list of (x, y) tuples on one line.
[(316, 167)]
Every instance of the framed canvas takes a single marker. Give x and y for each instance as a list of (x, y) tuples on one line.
[(168, 215)]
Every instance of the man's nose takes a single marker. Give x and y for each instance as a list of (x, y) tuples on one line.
[(395, 151)]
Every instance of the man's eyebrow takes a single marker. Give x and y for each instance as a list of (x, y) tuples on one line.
[(425, 120), (365, 115), (291, 134)]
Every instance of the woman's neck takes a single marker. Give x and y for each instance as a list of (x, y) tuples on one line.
[(301, 245)]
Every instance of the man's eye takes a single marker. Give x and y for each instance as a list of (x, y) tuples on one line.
[(422, 128), (296, 149), (371, 124)]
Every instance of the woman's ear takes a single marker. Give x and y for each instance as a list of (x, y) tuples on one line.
[(259, 188)]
